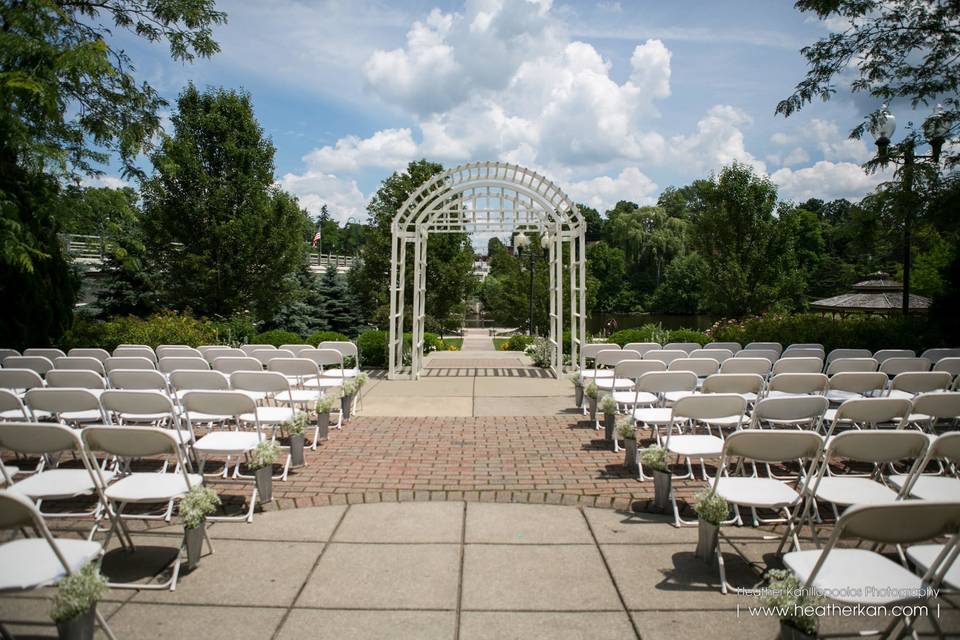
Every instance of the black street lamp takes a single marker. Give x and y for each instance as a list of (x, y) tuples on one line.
[(935, 130), (522, 242)]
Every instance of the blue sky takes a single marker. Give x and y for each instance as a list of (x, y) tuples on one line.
[(612, 100)]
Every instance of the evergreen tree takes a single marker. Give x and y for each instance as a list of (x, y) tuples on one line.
[(338, 306)]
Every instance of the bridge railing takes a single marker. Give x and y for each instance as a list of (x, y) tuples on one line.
[(325, 260)]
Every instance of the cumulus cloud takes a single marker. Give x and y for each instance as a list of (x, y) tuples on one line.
[(603, 192), (110, 182), (718, 141), (387, 149), (315, 189), (826, 180)]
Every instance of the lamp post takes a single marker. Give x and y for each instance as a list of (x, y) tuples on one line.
[(522, 243), (935, 130)]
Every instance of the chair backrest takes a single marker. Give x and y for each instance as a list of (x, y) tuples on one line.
[(795, 408), (759, 366), (633, 369), (59, 401), (894, 366), (138, 379), (36, 438), (772, 445), (733, 383), (132, 362), (264, 356), (211, 354), (941, 406), (766, 346), (714, 353), (135, 352), (884, 354), (177, 351), (610, 357), (848, 353), (137, 403), (946, 447), (263, 381), (797, 365), (872, 411), (767, 354), (803, 353), (220, 404), (878, 446), (641, 347), (250, 348), (701, 367), (918, 381), (682, 346), (133, 442), (935, 355), (590, 351), (11, 402), (346, 348), (78, 379), (858, 382), (731, 346), (805, 345), (809, 383), (99, 354), (664, 355), (300, 367), (40, 364), (902, 522), (709, 407), (49, 353), (169, 364), (17, 379), (664, 381), (199, 380), (847, 365), (79, 363), (6, 353), (294, 348), (950, 365), (231, 364)]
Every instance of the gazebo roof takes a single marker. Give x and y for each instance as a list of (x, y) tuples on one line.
[(879, 294)]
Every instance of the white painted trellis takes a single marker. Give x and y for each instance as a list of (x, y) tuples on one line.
[(491, 197)]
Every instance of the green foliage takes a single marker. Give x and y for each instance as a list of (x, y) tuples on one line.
[(681, 289), (163, 328), (298, 425), (647, 333), (264, 454), (277, 338), (226, 237), (198, 503), (326, 336), (785, 592), (338, 307), (608, 406), (372, 346), (519, 343), (654, 457), (688, 335), (77, 592), (325, 404), (591, 390), (627, 428), (505, 293), (540, 352), (711, 507), (855, 331)]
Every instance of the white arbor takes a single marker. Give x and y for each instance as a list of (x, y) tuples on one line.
[(488, 197)]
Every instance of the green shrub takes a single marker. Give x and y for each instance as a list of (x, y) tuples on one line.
[(624, 336), (431, 342), (372, 346), (78, 592), (519, 343), (711, 507), (237, 329), (327, 336), (277, 338), (162, 328), (688, 335)]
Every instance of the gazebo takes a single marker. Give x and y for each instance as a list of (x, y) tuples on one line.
[(879, 294)]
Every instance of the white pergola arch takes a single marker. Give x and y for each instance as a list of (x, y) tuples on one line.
[(488, 197)]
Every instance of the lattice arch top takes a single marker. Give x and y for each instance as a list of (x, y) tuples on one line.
[(488, 197)]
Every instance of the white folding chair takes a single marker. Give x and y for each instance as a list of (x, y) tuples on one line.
[(43, 561), (610, 359), (847, 353), (68, 406), (930, 408), (863, 577), (797, 365), (894, 366), (6, 353), (665, 356), (716, 354), (701, 367), (759, 366), (99, 354), (347, 350), (90, 380), (734, 347), (210, 354), (911, 383), (639, 347), (264, 356), (132, 362), (49, 354), (884, 354), (79, 363), (136, 352), (294, 349), (951, 366), (138, 380), (682, 346), (851, 385), (150, 408), (328, 361), (272, 385), (742, 487), (12, 407), (786, 385), (169, 364), (943, 486), (177, 351), (132, 487), (20, 381), (792, 353), (764, 346), (38, 364), (300, 371), (590, 353), (231, 364), (936, 355), (248, 349), (748, 386), (662, 385), (767, 354)]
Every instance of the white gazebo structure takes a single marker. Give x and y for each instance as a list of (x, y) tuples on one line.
[(488, 197)]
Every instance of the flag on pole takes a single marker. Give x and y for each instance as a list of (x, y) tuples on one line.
[(316, 238)]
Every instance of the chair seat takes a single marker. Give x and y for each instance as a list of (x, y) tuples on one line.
[(30, 562), (615, 383), (756, 492), (923, 555), (786, 394), (11, 471), (226, 442), (900, 394), (336, 372), (725, 421), (91, 415), (853, 575), (836, 396), (141, 418), (150, 487), (695, 445), (846, 491), (270, 415), (673, 396), (256, 396), (14, 414), (297, 396), (323, 383), (590, 374), (633, 398), (653, 415), (930, 487), (54, 484)]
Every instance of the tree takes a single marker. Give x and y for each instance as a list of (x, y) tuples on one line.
[(594, 222), (606, 268), (225, 236), (682, 286), (338, 305), (67, 100), (505, 293)]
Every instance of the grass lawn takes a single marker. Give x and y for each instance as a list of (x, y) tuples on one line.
[(453, 342), (498, 342)]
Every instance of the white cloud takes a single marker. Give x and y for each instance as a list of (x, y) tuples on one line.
[(603, 192), (717, 142), (110, 182), (387, 149), (797, 156), (782, 138), (835, 146), (826, 180), (315, 189)]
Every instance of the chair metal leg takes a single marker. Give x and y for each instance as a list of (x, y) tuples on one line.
[(103, 625)]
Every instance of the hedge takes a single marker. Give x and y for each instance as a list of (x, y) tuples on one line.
[(372, 346), (655, 333), (327, 336), (277, 337), (162, 328)]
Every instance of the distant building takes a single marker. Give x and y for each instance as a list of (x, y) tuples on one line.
[(879, 294), (481, 267)]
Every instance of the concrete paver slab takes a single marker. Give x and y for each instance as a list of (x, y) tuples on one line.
[(518, 386), (313, 624), (398, 522), (415, 406), (691, 623), (525, 524), (425, 387), (30, 617), (139, 620), (496, 625), (533, 577), (244, 573), (295, 525), (384, 576), (522, 406)]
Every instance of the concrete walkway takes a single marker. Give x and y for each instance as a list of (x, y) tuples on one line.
[(439, 570), (476, 340)]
